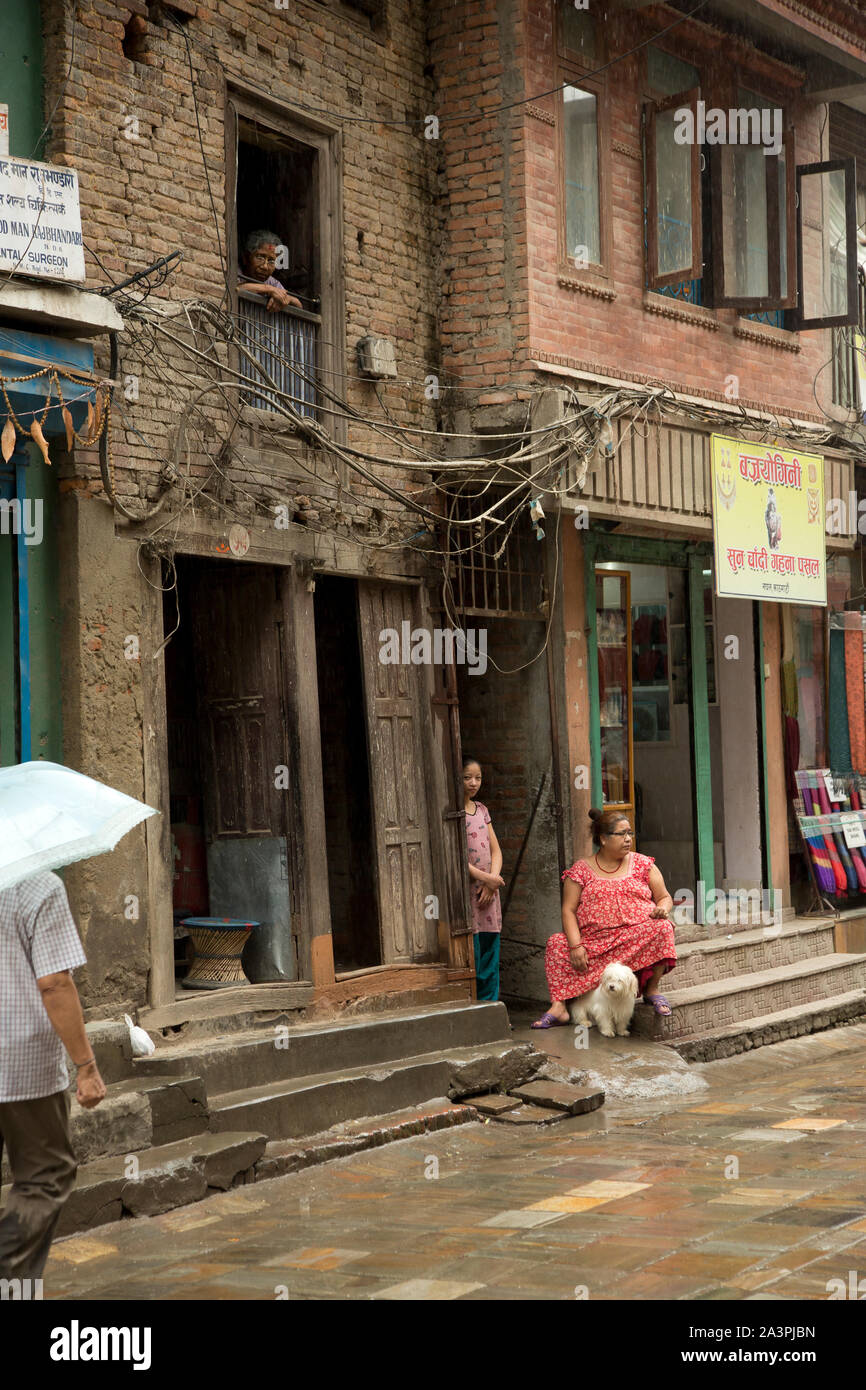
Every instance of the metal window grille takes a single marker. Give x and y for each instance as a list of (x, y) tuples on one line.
[(510, 585), (286, 342)]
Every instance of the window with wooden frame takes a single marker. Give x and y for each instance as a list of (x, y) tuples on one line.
[(723, 227), (674, 179), (827, 244), (754, 209), (283, 176), (584, 234)]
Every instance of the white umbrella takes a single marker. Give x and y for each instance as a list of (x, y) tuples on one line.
[(51, 816)]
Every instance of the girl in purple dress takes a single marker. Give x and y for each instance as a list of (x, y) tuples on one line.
[(485, 862)]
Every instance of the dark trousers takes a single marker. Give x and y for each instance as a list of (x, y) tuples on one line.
[(486, 966), (36, 1136)]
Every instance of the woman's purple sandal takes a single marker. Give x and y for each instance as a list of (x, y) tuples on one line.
[(655, 1000), (550, 1020)]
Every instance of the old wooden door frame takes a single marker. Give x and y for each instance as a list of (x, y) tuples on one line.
[(693, 557)]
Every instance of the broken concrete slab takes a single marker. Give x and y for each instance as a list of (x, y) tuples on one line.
[(225, 1157), (158, 1179), (121, 1124), (529, 1115), (353, 1136), (573, 1100), (494, 1104), (163, 1187), (499, 1070)]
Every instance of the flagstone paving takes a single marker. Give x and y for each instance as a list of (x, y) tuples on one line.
[(752, 1186)]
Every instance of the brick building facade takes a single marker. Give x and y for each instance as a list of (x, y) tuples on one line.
[(466, 182)]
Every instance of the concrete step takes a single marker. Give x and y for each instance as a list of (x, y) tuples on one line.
[(135, 1115), (724, 1002), (158, 1179), (291, 1108), (291, 1155), (138, 1114), (834, 1012), (750, 952), (291, 1052)]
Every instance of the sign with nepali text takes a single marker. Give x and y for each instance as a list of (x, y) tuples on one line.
[(40, 221), (768, 522)]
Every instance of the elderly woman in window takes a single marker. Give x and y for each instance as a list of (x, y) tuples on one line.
[(258, 263)]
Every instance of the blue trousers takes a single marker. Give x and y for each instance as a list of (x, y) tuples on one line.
[(487, 965)]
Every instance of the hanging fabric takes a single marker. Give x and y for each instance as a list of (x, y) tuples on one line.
[(837, 722), (856, 700)]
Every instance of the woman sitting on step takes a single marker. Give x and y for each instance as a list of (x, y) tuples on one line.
[(614, 908)]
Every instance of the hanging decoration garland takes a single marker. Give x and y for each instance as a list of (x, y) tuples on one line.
[(98, 413)]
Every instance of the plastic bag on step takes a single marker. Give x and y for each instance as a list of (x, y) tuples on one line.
[(142, 1044)]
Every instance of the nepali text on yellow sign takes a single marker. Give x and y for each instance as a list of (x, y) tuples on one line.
[(768, 522)]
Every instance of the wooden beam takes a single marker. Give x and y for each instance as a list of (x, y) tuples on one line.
[(218, 1003), (847, 91)]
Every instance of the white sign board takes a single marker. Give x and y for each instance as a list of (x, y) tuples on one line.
[(40, 221), (4, 130)]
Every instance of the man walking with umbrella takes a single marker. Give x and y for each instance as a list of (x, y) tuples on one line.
[(49, 816), (40, 1015)]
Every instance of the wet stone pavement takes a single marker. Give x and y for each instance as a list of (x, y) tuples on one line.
[(742, 1179)]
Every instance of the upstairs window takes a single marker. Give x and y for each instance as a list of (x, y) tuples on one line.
[(674, 187), (754, 210), (582, 122), (582, 193), (277, 269), (723, 224)]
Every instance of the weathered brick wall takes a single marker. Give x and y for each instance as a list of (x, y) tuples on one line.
[(166, 189), (477, 56), (501, 229)]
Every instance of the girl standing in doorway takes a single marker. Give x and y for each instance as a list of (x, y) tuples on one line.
[(485, 862)]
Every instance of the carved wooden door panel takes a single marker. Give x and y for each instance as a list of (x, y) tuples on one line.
[(237, 616), (393, 693)]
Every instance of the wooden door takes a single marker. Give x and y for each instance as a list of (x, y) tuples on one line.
[(400, 821), (237, 619), (613, 629)]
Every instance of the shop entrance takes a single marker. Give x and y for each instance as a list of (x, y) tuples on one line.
[(656, 730), (380, 878), (232, 762)]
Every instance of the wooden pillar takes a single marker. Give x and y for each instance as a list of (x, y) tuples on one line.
[(315, 943), (776, 800), (703, 781)]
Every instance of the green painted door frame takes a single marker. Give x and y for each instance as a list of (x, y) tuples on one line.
[(695, 557)]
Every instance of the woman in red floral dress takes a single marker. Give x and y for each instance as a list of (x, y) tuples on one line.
[(614, 908)]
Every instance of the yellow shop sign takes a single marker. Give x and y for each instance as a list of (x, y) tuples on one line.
[(768, 522)]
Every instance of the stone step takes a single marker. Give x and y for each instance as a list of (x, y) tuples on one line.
[(158, 1179), (290, 1155), (286, 1053), (834, 1012), (291, 1108), (139, 1114), (749, 952), (721, 1003)]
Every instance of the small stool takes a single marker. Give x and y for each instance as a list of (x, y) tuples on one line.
[(219, 943)]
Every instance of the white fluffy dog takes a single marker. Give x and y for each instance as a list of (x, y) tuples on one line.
[(611, 1005)]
